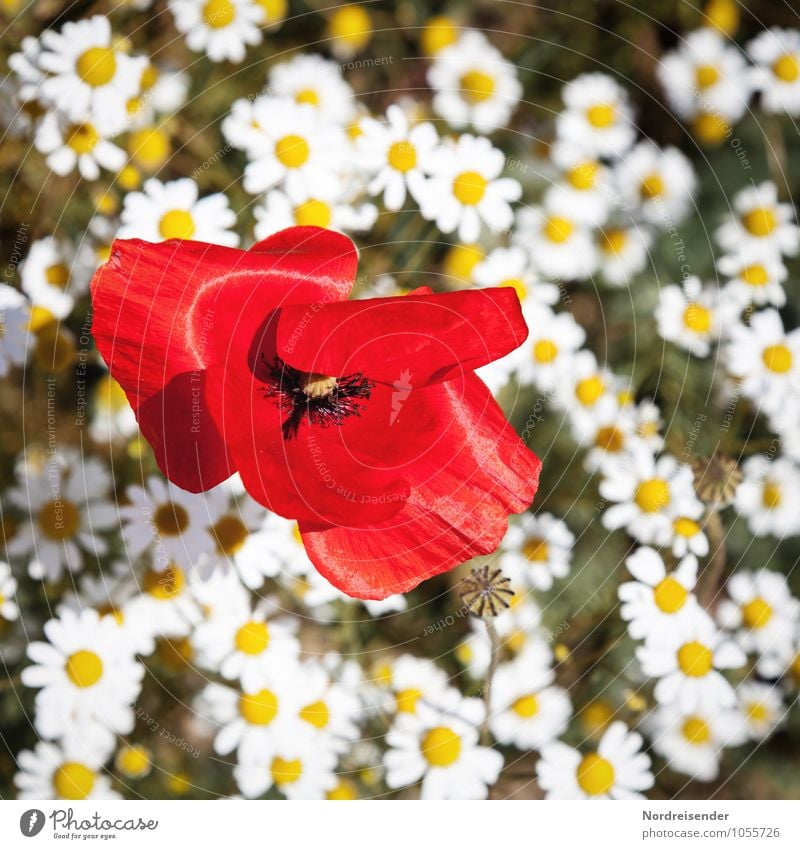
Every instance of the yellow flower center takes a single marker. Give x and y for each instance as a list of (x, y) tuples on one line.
[(275, 10), (558, 229), (583, 176), (614, 241), (149, 77), (595, 775), (723, 15), (545, 351), (170, 519), (597, 715), (706, 76), (696, 731), (317, 714), (84, 668), (686, 527), (757, 712), (252, 637), (588, 390), (313, 213), (669, 595), (176, 224), (231, 534), (73, 780), (526, 706), (129, 179), (259, 708), (133, 761), (755, 275), (97, 66), (219, 13), (517, 285), (149, 148), (307, 95), (710, 128), (652, 495), (441, 746), (292, 151), (57, 275), (344, 790), (695, 659), (439, 32), (651, 187), (406, 700), (469, 188), (165, 585), (82, 138), (461, 260), (286, 772), (697, 318), (601, 115), (535, 550), (787, 67), (477, 86), (59, 519), (760, 221), (756, 613), (352, 25), (777, 358), (55, 350), (771, 495), (609, 439), (402, 156)]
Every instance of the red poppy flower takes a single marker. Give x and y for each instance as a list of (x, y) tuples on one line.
[(363, 420)]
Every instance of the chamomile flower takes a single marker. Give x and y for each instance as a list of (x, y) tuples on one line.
[(331, 710), (659, 182), (133, 761), (755, 277), (536, 550), (559, 244), (776, 76), (609, 433), (688, 536), (618, 769), (761, 706), (70, 771), (170, 520), (165, 606), (586, 185), (761, 610), (81, 144), (395, 154), (597, 117), (473, 84), (656, 601), (222, 29), (584, 387), (687, 662), (465, 189), (8, 588), (527, 710), (47, 280), (15, 337), (512, 267), (691, 742), (86, 675), (550, 347), (623, 252), (691, 317), (648, 493), (413, 681), (316, 81), (349, 29), (760, 221), (86, 77), (174, 210), (299, 768), (440, 747)]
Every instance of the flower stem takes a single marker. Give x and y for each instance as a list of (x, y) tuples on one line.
[(494, 651)]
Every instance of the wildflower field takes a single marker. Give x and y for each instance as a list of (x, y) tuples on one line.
[(399, 399)]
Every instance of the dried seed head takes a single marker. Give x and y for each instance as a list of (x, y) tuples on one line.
[(486, 592), (716, 479)]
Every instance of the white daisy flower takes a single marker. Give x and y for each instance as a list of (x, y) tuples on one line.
[(440, 747), (761, 610), (70, 771), (16, 339), (692, 742), (8, 589), (597, 117), (649, 493), (171, 521), (536, 550), (330, 710), (658, 182), (527, 711), (473, 84), (133, 761), (688, 536), (706, 74), (511, 267), (68, 145), (691, 317), (586, 187), (550, 348), (559, 244), (66, 512), (609, 433), (222, 29), (317, 81), (165, 607), (299, 768), (465, 189), (656, 602), (760, 221), (87, 78), (46, 275), (87, 677), (414, 681), (687, 662), (617, 770), (584, 387), (756, 277), (395, 154), (623, 252), (776, 54), (761, 706), (174, 211), (163, 89)]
